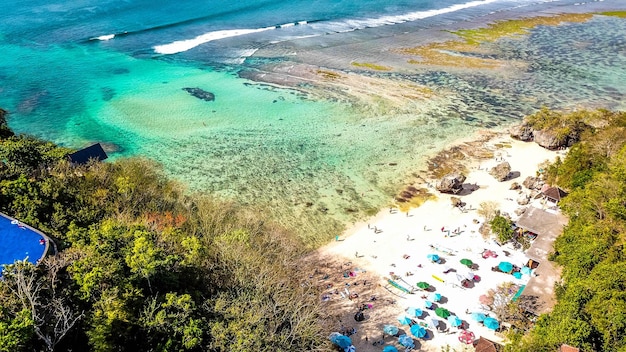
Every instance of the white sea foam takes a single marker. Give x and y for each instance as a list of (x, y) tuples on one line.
[(104, 37), (333, 26), (184, 45), (355, 24)]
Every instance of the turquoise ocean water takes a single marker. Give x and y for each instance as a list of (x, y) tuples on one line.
[(113, 72)]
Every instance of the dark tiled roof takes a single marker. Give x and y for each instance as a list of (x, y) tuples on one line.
[(84, 155), (484, 345), (555, 193)]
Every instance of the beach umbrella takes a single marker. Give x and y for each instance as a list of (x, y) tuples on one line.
[(433, 257), (390, 348), (428, 304), (406, 341), (434, 323), (526, 270), (469, 275), (466, 337), (467, 262), (505, 267), (491, 323), (517, 275), (435, 297), (390, 330), (486, 300), (404, 320), (416, 312), (455, 321), (418, 331), (423, 285), (478, 316), (340, 340), (442, 312)]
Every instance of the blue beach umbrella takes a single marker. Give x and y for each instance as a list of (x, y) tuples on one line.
[(418, 331), (390, 329), (455, 321), (478, 316), (526, 270), (428, 304), (433, 257), (491, 323), (406, 341), (517, 275), (435, 297), (390, 348), (505, 267), (340, 340), (404, 320), (416, 312)]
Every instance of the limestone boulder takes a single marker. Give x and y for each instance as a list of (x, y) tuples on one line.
[(533, 183), (451, 183), (515, 186), (501, 171), (523, 132), (523, 199), (549, 139)]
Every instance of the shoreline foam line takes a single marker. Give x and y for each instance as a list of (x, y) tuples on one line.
[(352, 25)]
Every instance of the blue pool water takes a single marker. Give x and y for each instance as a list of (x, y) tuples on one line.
[(19, 243)]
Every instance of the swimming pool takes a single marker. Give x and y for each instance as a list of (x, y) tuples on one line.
[(19, 242)]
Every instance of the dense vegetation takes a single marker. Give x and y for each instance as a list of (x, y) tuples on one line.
[(591, 299), (142, 266)]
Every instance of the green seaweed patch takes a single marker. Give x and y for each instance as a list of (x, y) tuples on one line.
[(371, 66), (453, 52), (516, 27), (329, 74), (412, 197), (620, 14)]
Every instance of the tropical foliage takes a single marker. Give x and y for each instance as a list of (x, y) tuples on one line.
[(591, 308), (143, 266)]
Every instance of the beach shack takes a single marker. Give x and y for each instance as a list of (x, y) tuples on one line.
[(538, 295), (553, 194), (81, 157)]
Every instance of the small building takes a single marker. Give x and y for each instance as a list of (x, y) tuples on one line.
[(485, 345), (83, 156), (553, 194), (538, 296)]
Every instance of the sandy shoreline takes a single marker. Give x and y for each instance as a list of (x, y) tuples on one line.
[(401, 244), (394, 243)]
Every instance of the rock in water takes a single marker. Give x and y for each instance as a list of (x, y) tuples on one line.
[(200, 94), (501, 171), (451, 183)]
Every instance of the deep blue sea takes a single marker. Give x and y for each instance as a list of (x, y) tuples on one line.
[(113, 71)]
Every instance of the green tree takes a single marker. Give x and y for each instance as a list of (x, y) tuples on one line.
[(502, 227)]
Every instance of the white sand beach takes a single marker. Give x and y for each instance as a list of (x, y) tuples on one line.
[(402, 242)]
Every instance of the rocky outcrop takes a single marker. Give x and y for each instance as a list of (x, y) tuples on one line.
[(451, 183), (532, 182), (548, 139), (200, 94), (523, 132), (524, 199), (501, 171)]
